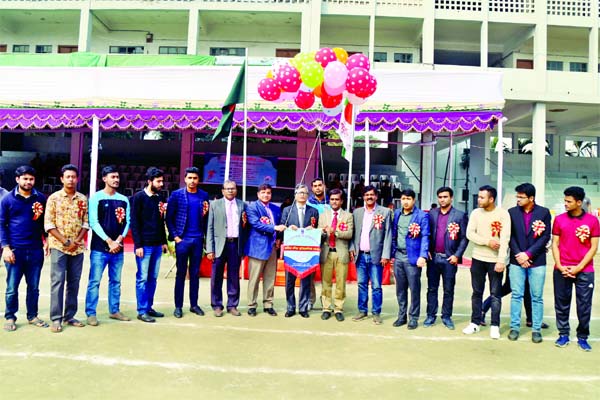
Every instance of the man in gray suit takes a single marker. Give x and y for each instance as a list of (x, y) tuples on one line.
[(225, 241), (372, 243), (337, 226)]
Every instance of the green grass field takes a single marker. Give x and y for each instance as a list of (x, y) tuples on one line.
[(281, 358)]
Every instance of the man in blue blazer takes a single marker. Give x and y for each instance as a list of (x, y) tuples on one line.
[(410, 242), (299, 215), (261, 249), (447, 244)]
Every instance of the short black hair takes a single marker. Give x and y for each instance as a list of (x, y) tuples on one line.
[(24, 170), (152, 173), (109, 169), (575, 192), (369, 188), (446, 189), (264, 186), (192, 170), (491, 191), (526, 188), (317, 179), (69, 167), (335, 191), (408, 193)]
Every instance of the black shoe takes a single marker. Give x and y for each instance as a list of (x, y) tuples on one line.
[(326, 315), (513, 335), (304, 314), (178, 313), (536, 337), (289, 313), (252, 312), (197, 310), (339, 316), (145, 318), (155, 314), (412, 324), (399, 322), (270, 311)]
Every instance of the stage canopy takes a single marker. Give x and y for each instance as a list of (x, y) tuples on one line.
[(190, 97)]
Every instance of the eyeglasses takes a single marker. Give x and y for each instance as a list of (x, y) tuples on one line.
[(230, 189), (304, 193)]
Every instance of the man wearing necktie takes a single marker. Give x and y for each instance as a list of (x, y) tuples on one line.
[(297, 216), (337, 226)]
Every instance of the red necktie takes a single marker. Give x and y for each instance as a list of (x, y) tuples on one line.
[(333, 225)]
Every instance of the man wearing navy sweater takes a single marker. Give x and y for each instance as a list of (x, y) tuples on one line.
[(148, 210), (109, 220), (23, 248)]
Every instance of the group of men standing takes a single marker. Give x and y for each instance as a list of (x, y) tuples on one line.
[(372, 236)]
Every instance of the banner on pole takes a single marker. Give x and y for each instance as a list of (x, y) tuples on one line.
[(301, 250), (259, 169)]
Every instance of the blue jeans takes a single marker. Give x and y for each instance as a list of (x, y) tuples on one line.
[(29, 263), (366, 271), (145, 278), (98, 261), (518, 276)]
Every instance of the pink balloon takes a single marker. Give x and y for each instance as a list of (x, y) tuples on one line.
[(358, 60), (269, 89), (288, 78), (304, 100), (358, 79), (324, 56), (288, 95), (334, 91), (335, 75), (355, 100)]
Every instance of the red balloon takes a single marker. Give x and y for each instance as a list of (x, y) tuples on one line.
[(330, 101), (304, 100), (269, 89)]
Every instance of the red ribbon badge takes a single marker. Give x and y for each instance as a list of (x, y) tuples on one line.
[(244, 219), (453, 229), (205, 206), (538, 228), (38, 210), (378, 221), (162, 208), (265, 220), (496, 228), (342, 227), (414, 229), (583, 233), (120, 214), (81, 208)]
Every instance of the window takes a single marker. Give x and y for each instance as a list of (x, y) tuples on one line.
[(227, 51), (67, 49), (554, 65), (43, 48), (172, 50), (507, 143), (126, 49), (21, 48), (580, 147), (577, 67), (286, 53), (406, 58), (380, 56), (2, 48)]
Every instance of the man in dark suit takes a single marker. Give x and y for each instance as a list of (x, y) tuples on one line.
[(225, 241), (447, 244), (530, 233), (261, 249), (299, 215)]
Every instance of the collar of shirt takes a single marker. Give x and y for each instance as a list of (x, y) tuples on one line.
[(367, 211), (578, 217), (149, 194), (34, 193)]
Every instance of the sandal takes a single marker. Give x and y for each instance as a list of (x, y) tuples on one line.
[(56, 327), (75, 322), (10, 325), (38, 322)]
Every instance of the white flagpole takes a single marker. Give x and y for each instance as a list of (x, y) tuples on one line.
[(351, 155), (94, 162), (245, 153), (500, 148), (367, 152), (228, 155), (451, 162)]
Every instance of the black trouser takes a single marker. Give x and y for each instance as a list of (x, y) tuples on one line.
[(479, 270), (407, 276), (440, 267), (290, 289), (507, 290), (563, 290)]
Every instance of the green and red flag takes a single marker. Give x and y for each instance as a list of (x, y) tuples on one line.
[(236, 96)]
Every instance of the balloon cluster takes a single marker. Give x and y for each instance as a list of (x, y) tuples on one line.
[(327, 74)]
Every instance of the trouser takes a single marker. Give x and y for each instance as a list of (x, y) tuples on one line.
[(268, 269), (563, 290), (479, 270), (436, 268), (98, 261), (408, 276), (146, 276), (64, 268), (527, 280), (189, 249), (304, 295), (332, 263), (506, 289), (367, 271), (28, 263), (231, 257)]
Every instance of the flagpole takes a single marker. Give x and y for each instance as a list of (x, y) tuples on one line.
[(351, 156), (245, 151), (367, 153), (228, 155)]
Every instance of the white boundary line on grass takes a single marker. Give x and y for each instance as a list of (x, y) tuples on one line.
[(115, 361)]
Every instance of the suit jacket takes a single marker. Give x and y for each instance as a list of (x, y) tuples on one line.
[(521, 237), (289, 216), (261, 238), (217, 227), (342, 237), (380, 239), (454, 247), (415, 246)]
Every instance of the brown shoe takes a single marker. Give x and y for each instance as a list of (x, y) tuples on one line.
[(92, 320), (119, 316), (234, 311), (218, 312)]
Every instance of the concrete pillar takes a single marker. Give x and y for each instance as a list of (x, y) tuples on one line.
[(77, 142), (304, 145), (85, 29), (427, 172), (540, 37), (484, 45), (427, 38), (593, 54), (193, 29), (538, 158), (187, 154), (310, 37)]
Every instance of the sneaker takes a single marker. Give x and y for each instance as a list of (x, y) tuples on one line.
[(448, 323), (360, 316), (429, 321), (562, 341), (536, 337), (584, 345), (471, 329), (377, 319), (513, 335), (495, 332), (92, 320)]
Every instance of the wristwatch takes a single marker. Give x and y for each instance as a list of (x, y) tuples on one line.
[(67, 243)]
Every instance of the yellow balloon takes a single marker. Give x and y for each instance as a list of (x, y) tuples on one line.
[(270, 74), (341, 54)]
